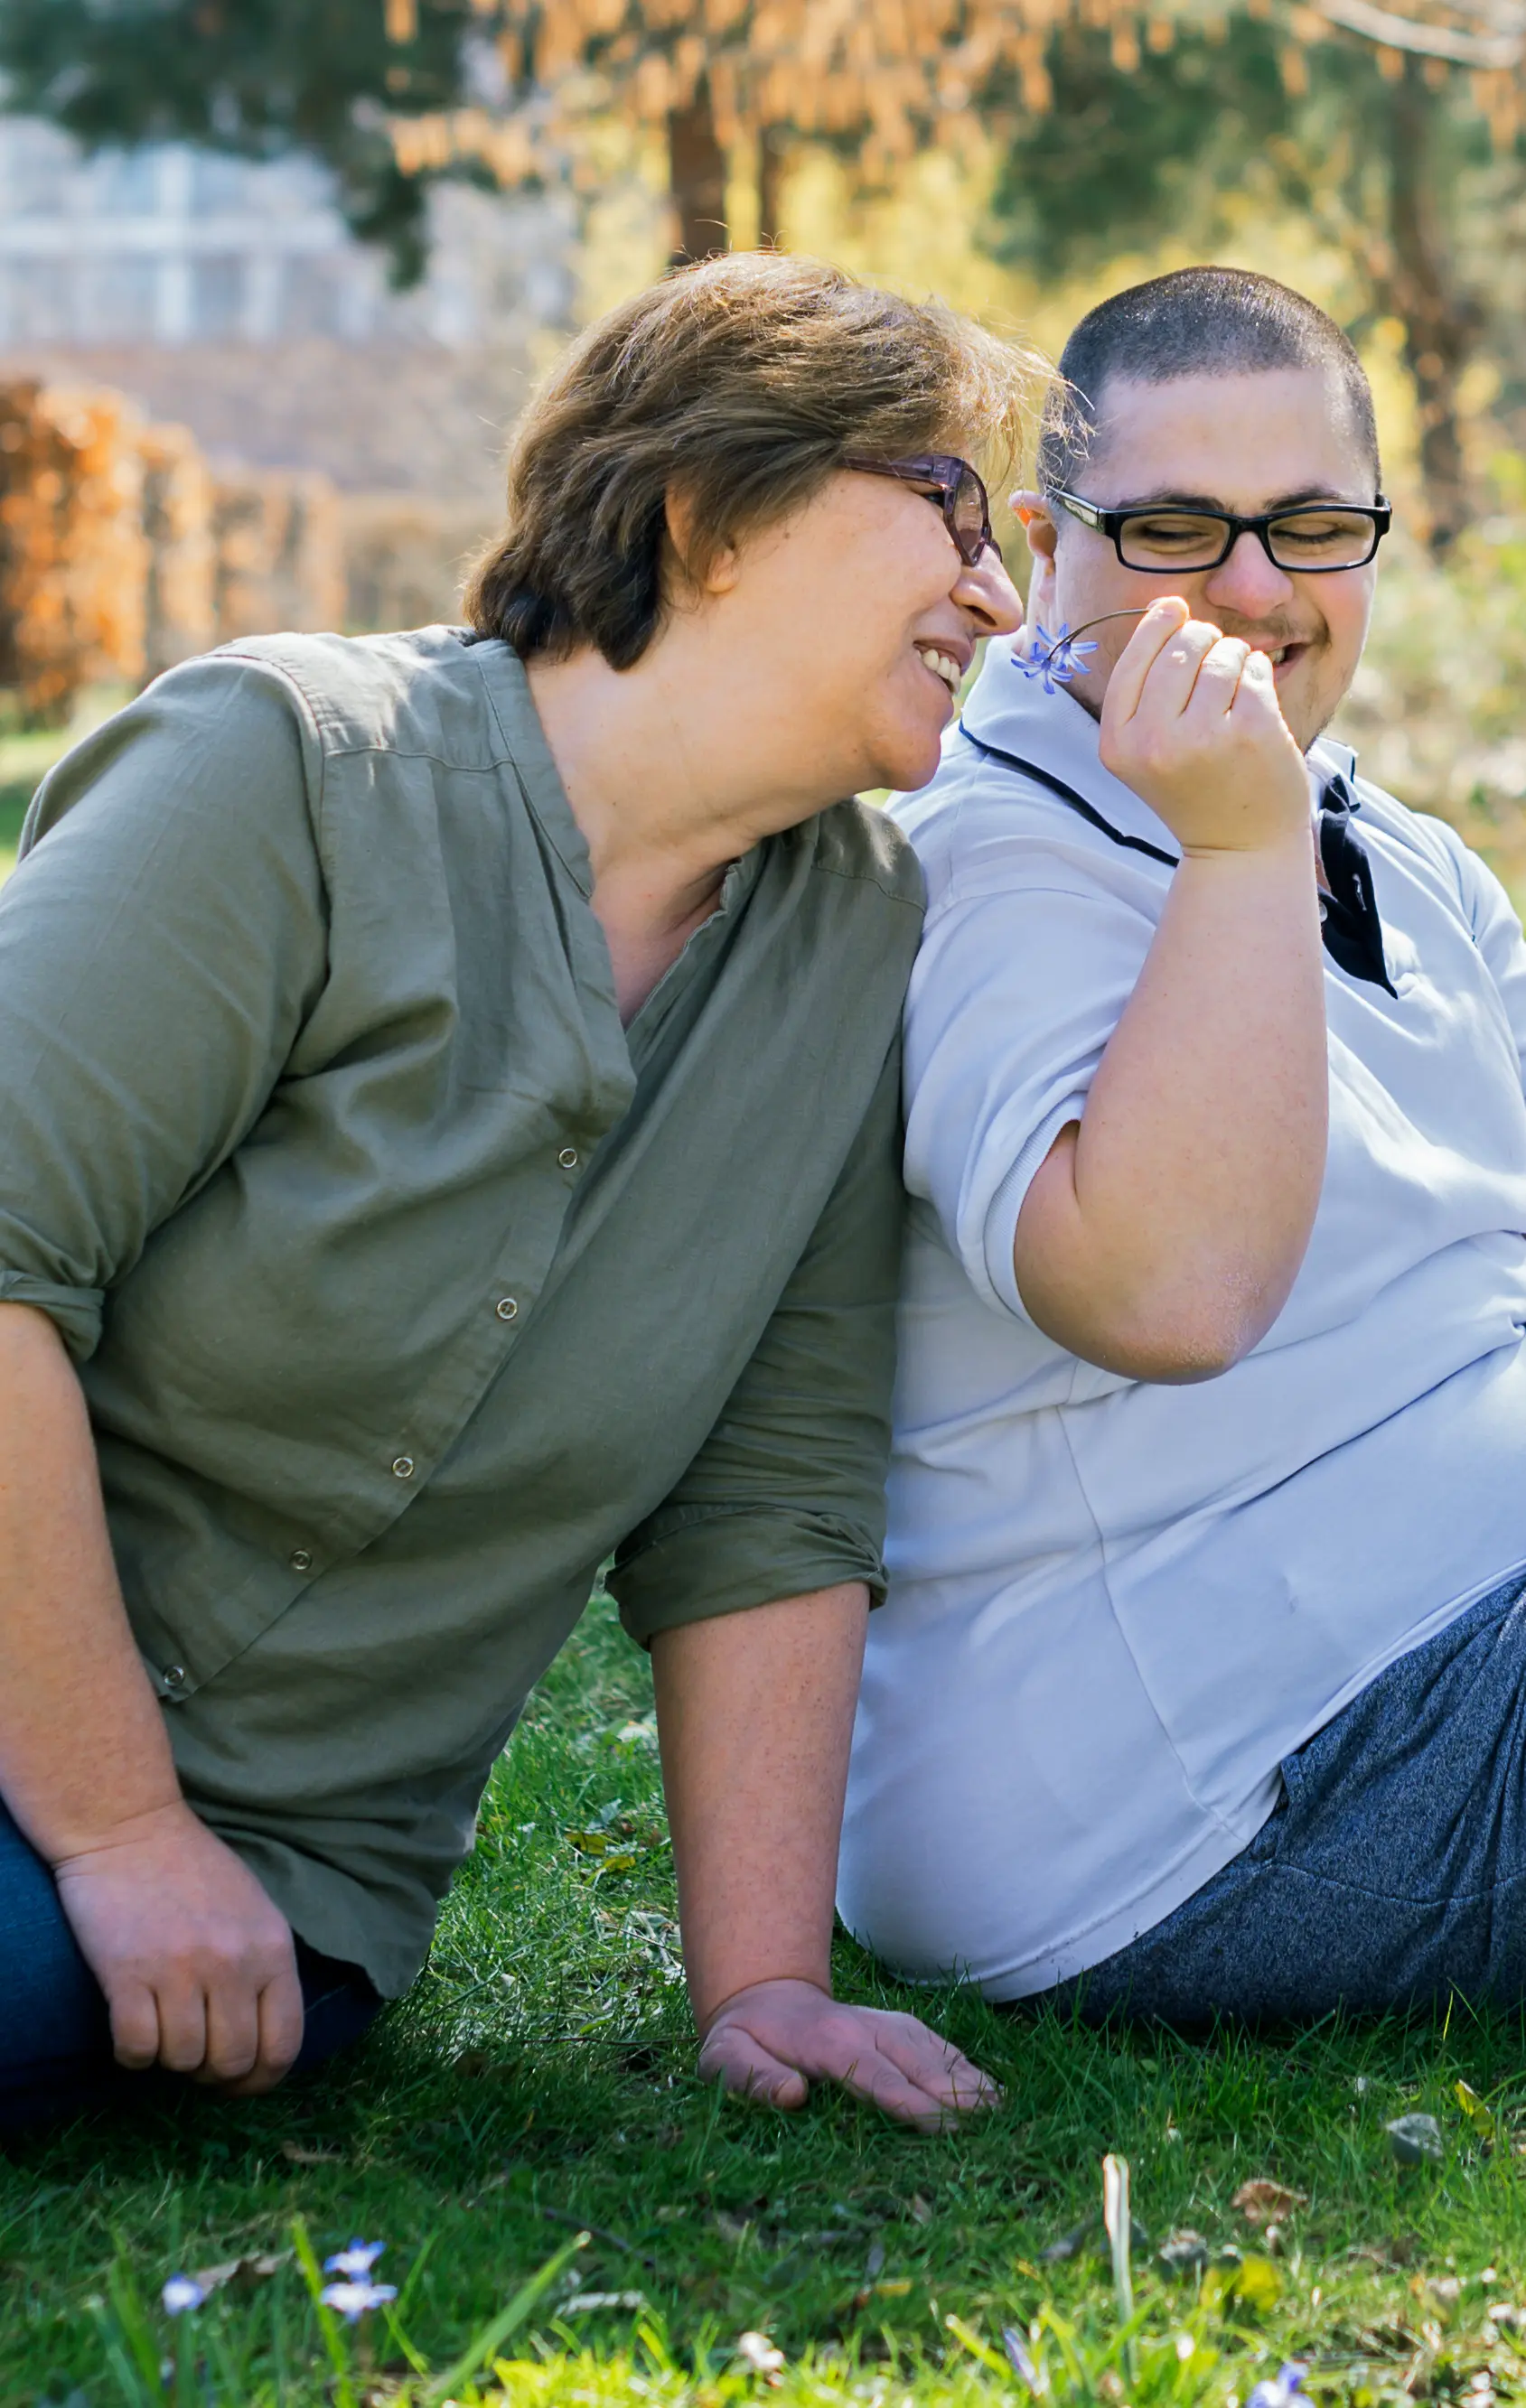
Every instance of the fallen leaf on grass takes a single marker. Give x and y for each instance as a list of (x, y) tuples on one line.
[(1071, 2245), (1479, 2115), (1415, 2140), (240, 2270), (1251, 2282), (296, 2155), (920, 2209), (1183, 2252), (1267, 2202)]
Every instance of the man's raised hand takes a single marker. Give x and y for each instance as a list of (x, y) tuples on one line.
[(196, 1963), (1192, 723), (772, 2041)]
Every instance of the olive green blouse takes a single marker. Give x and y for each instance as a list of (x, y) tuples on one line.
[(405, 1284)]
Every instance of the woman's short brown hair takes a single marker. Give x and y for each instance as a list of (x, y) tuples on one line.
[(738, 384)]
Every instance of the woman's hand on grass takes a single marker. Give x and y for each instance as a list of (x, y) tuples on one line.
[(196, 1963), (773, 2040)]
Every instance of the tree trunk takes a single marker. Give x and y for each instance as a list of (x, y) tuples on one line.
[(770, 187), (697, 179), (1440, 321)]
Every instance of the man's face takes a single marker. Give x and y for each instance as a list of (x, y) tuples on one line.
[(1246, 443)]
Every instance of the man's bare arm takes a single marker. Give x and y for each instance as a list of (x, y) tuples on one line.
[(196, 1963), (754, 1712), (1160, 1236)]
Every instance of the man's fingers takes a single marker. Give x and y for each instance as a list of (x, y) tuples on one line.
[(1161, 621), (1218, 675), (744, 2065), (936, 2066)]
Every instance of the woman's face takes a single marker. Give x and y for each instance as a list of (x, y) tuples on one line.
[(850, 624)]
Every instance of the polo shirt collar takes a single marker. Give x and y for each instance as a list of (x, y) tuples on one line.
[(1006, 709)]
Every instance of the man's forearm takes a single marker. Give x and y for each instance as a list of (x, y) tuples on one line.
[(754, 1712), (1161, 1236), (82, 1744)]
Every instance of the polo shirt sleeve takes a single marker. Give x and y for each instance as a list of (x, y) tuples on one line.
[(161, 939), (1496, 932), (1018, 990), (787, 1493)]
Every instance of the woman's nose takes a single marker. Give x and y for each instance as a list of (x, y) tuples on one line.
[(988, 594)]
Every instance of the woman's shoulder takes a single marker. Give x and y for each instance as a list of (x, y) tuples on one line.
[(425, 690), (858, 841)]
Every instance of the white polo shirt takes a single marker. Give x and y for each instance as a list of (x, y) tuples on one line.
[(1114, 1606)]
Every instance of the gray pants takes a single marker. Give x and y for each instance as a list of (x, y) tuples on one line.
[(1392, 1872)]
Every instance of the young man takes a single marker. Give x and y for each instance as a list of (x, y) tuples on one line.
[(1199, 1687)]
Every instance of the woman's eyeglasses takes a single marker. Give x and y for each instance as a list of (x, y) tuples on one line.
[(954, 485)]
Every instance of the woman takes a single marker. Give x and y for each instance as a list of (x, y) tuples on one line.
[(451, 1093)]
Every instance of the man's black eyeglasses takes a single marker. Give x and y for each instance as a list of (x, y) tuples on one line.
[(1316, 538), (956, 486)]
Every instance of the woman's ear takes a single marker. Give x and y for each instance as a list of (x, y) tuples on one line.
[(720, 575)]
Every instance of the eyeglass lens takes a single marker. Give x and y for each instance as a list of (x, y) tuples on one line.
[(1303, 539), (969, 515)]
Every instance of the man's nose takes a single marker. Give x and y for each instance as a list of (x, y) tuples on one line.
[(1250, 583), (988, 594)]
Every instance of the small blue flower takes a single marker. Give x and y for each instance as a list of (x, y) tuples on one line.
[(356, 2262), (181, 2293), (1283, 2392), (1055, 659), (352, 2299)]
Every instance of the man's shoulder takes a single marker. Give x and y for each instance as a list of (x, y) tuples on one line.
[(431, 691)]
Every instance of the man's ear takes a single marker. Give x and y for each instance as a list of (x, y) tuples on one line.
[(721, 574), (1038, 522)]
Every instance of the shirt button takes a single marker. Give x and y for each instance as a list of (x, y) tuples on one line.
[(569, 1157), (506, 1308), (403, 1468), (301, 1560), (175, 1676)]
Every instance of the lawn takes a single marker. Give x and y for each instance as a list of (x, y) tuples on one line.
[(539, 2082)]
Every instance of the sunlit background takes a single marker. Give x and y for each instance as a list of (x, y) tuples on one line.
[(274, 279)]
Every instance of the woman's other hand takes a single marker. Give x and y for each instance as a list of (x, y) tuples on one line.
[(196, 1963), (773, 2040)]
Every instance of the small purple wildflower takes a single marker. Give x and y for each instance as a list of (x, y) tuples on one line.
[(356, 2262), (1055, 659), (352, 2299), (1284, 2390), (181, 2293)]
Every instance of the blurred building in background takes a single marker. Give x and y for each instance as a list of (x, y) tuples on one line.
[(227, 298)]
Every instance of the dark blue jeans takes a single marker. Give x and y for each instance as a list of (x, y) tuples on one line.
[(1391, 1873), (56, 2041)]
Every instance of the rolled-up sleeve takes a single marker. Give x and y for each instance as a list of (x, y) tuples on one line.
[(787, 1493), (161, 941)]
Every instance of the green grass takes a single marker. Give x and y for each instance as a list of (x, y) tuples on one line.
[(539, 2079)]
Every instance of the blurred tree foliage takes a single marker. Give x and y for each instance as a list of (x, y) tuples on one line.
[(260, 78), (1383, 154)]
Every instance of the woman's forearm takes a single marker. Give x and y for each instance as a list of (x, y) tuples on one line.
[(754, 1712), (82, 1744), (1161, 1236)]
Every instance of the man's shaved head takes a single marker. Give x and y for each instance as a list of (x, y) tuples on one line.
[(1198, 321)]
